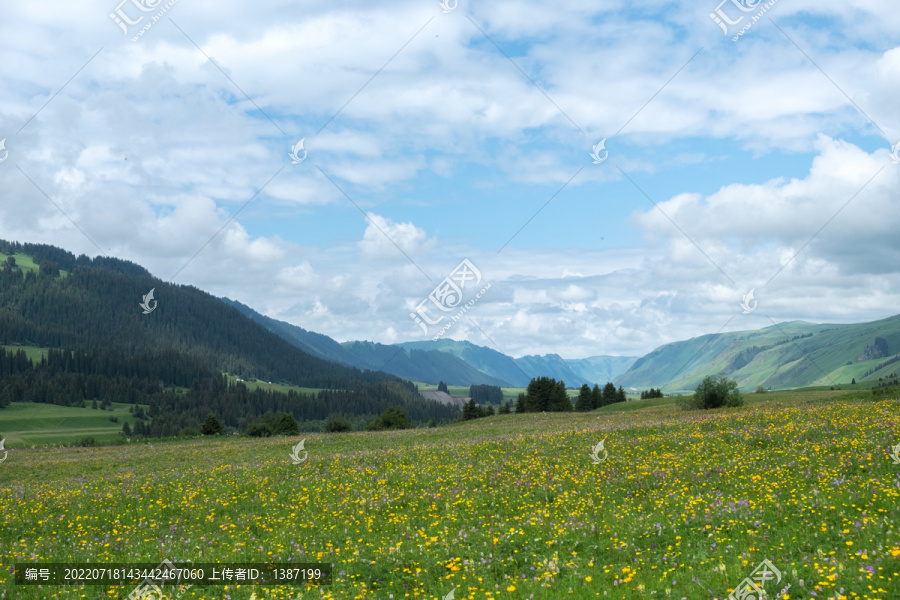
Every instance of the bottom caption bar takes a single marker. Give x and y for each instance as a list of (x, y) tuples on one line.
[(170, 574)]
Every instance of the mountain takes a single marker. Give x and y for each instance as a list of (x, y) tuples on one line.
[(490, 362), (110, 349), (600, 369), (450, 361), (554, 366), (788, 355), (420, 365), (519, 371), (416, 365), (310, 342)]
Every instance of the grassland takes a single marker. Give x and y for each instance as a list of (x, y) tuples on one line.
[(25, 424), (24, 262), (276, 387), (685, 506), (32, 352)]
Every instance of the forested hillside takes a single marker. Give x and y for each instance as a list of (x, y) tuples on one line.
[(106, 348)]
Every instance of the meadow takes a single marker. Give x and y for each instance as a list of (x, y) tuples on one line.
[(685, 505)]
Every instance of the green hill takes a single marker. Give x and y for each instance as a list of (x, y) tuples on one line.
[(784, 356), (100, 344)]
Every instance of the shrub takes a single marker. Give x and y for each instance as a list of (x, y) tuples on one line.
[(87, 441), (286, 425), (337, 424), (114, 418), (761, 390), (392, 418), (712, 393), (259, 430), (189, 432)]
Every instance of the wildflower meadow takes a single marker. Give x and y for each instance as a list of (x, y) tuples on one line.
[(680, 505)]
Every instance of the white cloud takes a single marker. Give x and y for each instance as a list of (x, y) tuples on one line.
[(384, 238)]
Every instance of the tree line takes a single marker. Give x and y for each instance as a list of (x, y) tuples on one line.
[(157, 378)]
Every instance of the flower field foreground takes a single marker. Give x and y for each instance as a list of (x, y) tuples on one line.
[(685, 505)]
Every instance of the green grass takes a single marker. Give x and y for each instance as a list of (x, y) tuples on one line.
[(277, 387), (26, 424), (25, 263), (32, 352), (685, 505)]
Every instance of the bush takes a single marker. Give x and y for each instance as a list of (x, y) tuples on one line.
[(114, 418), (337, 424), (761, 390), (392, 418), (189, 432), (712, 393), (87, 442), (286, 425), (259, 430)]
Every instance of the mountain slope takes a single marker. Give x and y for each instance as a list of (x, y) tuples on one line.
[(490, 362), (787, 355), (420, 365), (519, 371), (600, 369), (96, 307)]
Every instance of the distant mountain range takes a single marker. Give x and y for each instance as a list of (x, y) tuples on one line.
[(450, 361), (787, 355), (38, 307)]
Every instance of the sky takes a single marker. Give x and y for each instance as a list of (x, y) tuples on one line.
[(618, 175)]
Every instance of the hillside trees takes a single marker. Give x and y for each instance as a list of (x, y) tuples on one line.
[(486, 394)]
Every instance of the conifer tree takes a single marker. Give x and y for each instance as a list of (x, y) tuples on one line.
[(584, 402)]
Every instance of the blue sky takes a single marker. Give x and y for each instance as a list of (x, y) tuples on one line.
[(434, 137)]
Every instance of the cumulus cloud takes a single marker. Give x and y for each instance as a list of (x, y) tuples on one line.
[(384, 238), (157, 156)]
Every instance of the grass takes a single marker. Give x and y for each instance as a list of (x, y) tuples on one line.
[(26, 424), (32, 352), (25, 263), (685, 506), (278, 387)]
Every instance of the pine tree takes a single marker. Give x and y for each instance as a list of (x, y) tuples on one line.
[(442, 387), (560, 401), (609, 394), (520, 403), (596, 397), (584, 402), (126, 430), (470, 410), (212, 425)]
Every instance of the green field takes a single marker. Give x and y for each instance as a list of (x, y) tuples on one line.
[(26, 424), (32, 352), (277, 387), (684, 505), (24, 262)]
